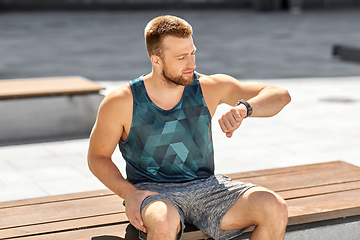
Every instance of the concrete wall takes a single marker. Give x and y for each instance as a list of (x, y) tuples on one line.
[(38, 118)]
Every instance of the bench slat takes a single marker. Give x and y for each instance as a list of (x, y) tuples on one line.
[(301, 168), (82, 234), (79, 208), (65, 225), (56, 198), (38, 87), (120, 230), (319, 190), (324, 207), (309, 178)]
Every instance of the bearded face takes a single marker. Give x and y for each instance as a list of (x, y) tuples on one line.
[(176, 79), (177, 61)]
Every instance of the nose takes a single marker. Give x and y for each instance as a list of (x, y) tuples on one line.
[(191, 62)]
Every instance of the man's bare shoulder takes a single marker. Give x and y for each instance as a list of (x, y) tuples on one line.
[(215, 79), (117, 106), (215, 88), (119, 97), (219, 83)]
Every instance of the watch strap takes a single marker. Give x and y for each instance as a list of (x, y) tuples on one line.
[(247, 105)]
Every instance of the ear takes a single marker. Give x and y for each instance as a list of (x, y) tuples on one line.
[(155, 60)]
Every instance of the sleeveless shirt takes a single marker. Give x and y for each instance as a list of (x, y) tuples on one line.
[(168, 145)]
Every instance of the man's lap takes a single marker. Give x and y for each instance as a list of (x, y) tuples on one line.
[(202, 202)]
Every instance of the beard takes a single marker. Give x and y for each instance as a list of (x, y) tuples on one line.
[(178, 80)]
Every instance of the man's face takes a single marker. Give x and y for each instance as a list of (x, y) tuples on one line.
[(178, 60)]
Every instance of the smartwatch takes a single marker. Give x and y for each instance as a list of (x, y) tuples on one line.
[(247, 105)]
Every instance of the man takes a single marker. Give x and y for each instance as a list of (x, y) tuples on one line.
[(162, 122)]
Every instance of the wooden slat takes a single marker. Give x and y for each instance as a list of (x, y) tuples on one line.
[(79, 208), (301, 168), (74, 222), (319, 190), (37, 87), (324, 207), (65, 225), (309, 178), (56, 198), (117, 231)]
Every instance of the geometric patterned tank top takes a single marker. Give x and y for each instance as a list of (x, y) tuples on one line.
[(168, 145)]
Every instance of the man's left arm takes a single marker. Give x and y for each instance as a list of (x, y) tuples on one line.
[(268, 101), (265, 100)]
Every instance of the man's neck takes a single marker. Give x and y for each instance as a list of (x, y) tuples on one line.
[(162, 93)]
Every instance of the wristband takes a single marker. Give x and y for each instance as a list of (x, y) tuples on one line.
[(247, 105)]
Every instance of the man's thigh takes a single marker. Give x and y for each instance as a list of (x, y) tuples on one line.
[(250, 208)]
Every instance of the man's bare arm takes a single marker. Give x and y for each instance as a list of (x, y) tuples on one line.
[(266, 100), (110, 126)]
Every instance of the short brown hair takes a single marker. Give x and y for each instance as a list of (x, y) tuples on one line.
[(161, 26)]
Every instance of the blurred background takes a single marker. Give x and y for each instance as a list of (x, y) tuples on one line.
[(103, 39), (310, 47)]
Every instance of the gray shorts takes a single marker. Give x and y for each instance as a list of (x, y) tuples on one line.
[(202, 203)]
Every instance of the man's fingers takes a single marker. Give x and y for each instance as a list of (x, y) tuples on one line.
[(137, 221), (234, 117), (225, 124), (151, 193), (141, 223), (138, 214), (229, 134), (229, 122), (133, 206)]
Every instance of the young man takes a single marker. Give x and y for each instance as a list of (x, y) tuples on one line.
[(162, 122)]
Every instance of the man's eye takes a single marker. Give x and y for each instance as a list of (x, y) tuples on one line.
[(181, 58)]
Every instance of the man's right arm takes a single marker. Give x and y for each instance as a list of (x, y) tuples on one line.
[(114, 117)]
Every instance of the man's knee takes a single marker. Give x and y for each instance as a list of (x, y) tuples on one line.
[(267, 206), (161, 216), (275, 209)]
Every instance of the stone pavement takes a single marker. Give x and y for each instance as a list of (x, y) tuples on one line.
[(320, 124)]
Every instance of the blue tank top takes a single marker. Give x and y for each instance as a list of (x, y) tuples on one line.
[(168, 145)]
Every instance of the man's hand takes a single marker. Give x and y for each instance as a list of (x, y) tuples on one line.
[(132, 207), (231, 120)]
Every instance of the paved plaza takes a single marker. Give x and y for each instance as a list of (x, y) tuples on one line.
[(292, 51)]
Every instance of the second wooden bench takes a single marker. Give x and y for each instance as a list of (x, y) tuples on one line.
[(47, 108)]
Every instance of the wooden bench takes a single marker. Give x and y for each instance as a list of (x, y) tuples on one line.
[(313, 193), (38, 108), (41, 87)]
